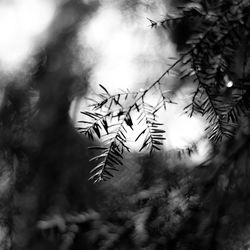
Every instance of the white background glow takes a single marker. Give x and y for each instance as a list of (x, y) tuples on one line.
[(22, 22), (120, 46)]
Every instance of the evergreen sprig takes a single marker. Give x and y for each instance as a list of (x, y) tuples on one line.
[(112, 154), (154, 134), (221, 92)]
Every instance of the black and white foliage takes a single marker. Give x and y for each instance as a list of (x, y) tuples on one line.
[(214, 57)]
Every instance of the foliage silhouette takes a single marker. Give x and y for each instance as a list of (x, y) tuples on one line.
[(218, 38)]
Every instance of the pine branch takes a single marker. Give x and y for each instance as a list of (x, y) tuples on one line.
[(112, 154), (206, 60), (154, 135), (94, 125), (241, 106), (107, 99)]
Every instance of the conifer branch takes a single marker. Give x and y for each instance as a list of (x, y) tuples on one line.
[(207, 61)]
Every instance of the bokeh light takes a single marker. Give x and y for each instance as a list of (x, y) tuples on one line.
[(22, 25)]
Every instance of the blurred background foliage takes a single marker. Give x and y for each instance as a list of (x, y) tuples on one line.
[(162, 201)]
